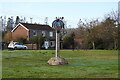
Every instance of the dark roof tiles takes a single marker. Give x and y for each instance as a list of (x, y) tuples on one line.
[(37, 26)]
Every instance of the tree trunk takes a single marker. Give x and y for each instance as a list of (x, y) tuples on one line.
[(93, 44), (115, 44), (73, 46), (37, 46), (32, 46)]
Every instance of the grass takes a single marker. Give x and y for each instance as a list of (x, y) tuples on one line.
[(82, 64)]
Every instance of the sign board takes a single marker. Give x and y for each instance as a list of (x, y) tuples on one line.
[(58, 24)]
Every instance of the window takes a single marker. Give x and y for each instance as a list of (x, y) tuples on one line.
[(18, 44), (52, 43), (51, 34), (34, 33), (43, 33)]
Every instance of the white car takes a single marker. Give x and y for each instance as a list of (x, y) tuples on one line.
[(16, 45)]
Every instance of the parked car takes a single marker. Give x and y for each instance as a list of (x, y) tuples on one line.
[(16, 45)]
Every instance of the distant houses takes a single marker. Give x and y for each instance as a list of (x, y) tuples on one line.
[(28, 30)]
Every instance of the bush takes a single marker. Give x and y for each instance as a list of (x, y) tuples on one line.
[(22, 40)]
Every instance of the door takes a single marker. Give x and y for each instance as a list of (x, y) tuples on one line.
[(46, 44)]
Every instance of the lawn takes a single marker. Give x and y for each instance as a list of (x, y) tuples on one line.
[(82, 64)]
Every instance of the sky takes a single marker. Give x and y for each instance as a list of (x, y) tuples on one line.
[(71, 11)]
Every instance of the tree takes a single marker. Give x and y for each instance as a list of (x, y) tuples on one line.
[(10, 24), (38, 40), (8, 37), (17, 20), (115, 17), (22, 40), (72, 40), (68, 41), (109, 33), (87, 32), (93, 32)]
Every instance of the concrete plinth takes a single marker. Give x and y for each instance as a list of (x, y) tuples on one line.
[(57, 61)]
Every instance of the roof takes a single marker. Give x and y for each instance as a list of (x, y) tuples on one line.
[(37, 26), (34, 26)]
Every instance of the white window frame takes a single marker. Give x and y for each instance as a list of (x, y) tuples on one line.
[(51, 34), (35, 33), (43, 33)]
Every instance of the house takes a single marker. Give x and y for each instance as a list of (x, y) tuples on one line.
[(28, 30)]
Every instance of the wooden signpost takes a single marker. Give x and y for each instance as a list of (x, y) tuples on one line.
[(57, 60)]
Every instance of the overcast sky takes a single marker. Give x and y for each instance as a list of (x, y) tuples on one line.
[(71, 11)]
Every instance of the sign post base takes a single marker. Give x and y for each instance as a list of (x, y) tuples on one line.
[(57, 61)]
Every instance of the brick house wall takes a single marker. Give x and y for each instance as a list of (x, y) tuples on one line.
[(20, 32)]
